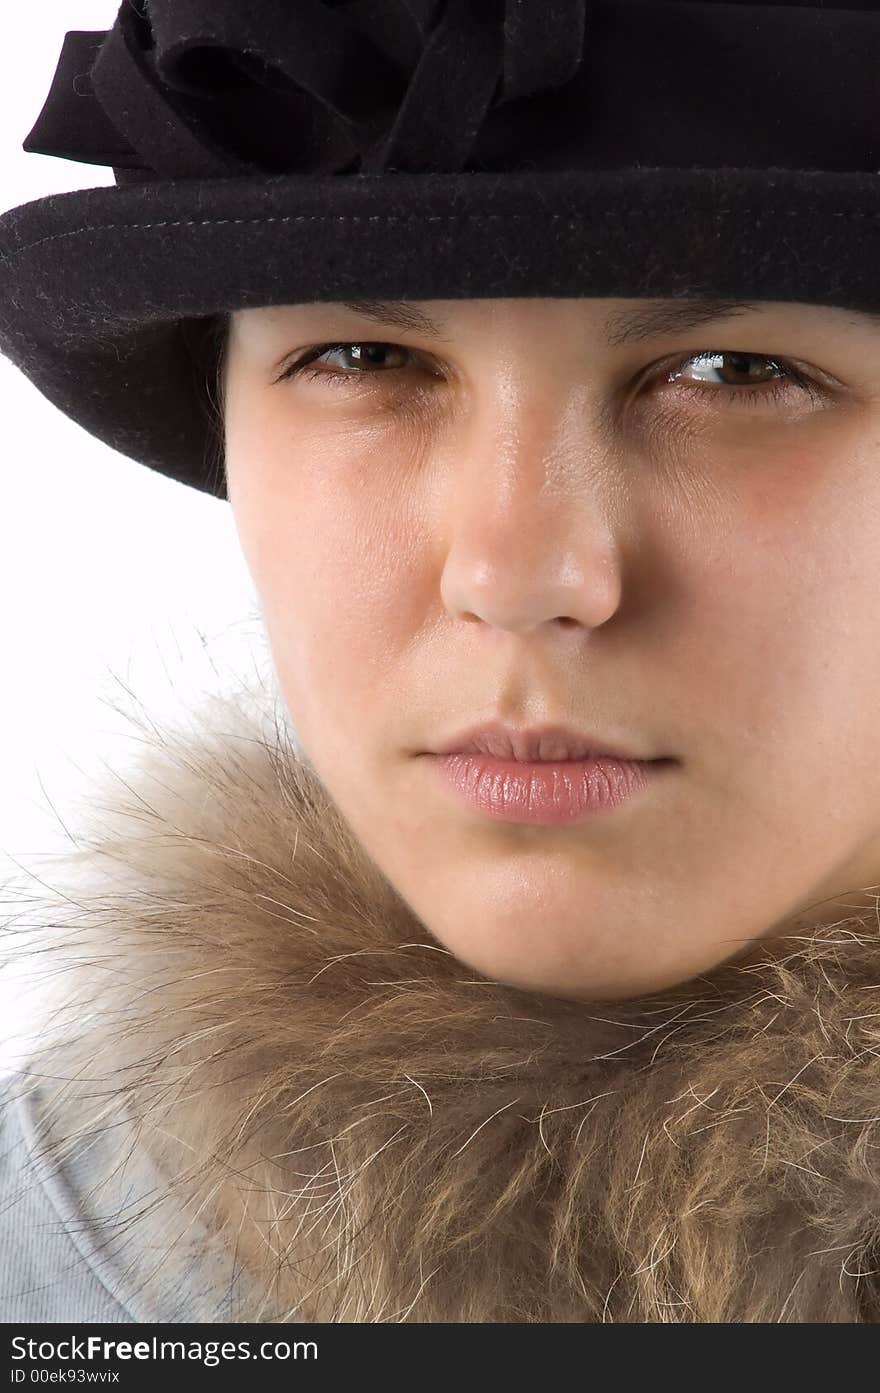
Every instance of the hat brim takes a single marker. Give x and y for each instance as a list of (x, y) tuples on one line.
[(109, 295)]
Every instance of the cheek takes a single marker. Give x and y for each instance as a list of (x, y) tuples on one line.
[(329, 556), (785, 626)]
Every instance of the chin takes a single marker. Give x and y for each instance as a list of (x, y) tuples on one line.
[(552, 974), (587, 974)]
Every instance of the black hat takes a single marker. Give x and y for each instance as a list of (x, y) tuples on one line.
[(281, 151)]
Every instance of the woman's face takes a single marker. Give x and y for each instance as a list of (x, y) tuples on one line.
[(669, 540)]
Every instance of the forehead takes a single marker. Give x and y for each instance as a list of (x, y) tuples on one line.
[(620, 321)]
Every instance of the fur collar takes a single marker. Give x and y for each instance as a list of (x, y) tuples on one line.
[(385, 1135)]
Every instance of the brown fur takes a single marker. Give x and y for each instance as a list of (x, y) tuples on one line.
[(385, 1135)]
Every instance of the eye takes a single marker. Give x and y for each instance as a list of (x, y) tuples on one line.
[(744, 387), (369, 359)]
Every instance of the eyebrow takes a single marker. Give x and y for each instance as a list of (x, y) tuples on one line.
[(397, 314), (653, 320), (650, 320)]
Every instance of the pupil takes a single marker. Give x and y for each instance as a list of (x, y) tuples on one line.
[(739, 360)]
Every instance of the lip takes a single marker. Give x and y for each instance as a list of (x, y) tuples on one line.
[(547, 792), (537, 744)]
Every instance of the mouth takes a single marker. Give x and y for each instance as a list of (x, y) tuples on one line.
[(538, 745), (549, 792)]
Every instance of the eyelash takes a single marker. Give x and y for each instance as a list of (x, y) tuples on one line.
[(738, 396)]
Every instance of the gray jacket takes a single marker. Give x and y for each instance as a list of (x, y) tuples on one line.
[(67, 1254)]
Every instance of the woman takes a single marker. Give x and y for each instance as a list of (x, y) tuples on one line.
[(449, 1015)]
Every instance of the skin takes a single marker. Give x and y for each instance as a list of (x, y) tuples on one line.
[(525, 523)]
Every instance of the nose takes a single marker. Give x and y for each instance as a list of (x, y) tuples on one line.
[(529, 527)]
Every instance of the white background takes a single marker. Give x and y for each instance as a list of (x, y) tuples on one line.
[(107, 569)]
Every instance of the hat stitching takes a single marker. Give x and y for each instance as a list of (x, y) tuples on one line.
[(393, 217)]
